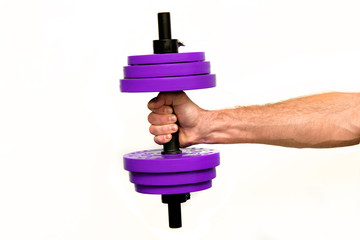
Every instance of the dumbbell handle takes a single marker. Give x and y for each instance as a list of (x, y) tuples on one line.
[(167, 45)]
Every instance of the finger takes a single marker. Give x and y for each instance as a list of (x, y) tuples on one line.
[(162, 139), (159, 119), (163, 129), (163, 110)]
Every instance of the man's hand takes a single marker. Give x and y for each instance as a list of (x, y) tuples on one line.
[(163, 120)]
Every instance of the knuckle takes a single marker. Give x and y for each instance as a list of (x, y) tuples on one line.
[(152, 118), (151, 130), (149, 117)]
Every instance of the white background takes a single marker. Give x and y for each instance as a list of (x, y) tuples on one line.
[(64, 125)]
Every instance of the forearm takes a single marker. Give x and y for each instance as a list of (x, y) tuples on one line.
[(324, 120)]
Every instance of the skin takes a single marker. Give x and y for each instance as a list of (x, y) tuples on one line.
[(318, 121)]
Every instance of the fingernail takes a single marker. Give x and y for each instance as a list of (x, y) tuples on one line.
[(168, 136), (173, 128), (172, 118)]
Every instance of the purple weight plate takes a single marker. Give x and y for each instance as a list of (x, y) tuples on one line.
[(167, 70), (168, 179), (166, 58), (173, 189), (168, 83), (152, 161)]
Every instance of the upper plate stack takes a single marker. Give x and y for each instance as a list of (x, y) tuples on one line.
[(167, 72)]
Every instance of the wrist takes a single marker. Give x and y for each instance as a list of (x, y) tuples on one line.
[(206, 127), (219, 127)]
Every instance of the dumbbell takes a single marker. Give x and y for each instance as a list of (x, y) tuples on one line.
[(172, 172)]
